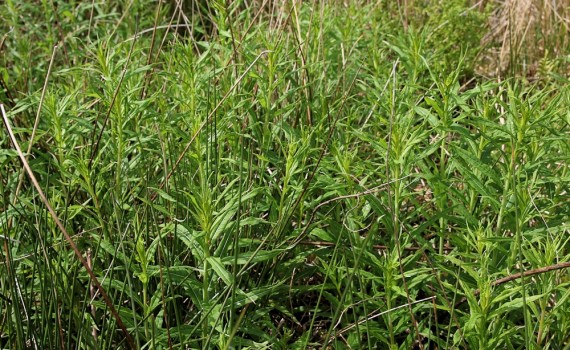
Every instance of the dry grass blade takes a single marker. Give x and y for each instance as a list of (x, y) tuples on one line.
[(515, 276), (512, 38), (63, 230), (37, 120)]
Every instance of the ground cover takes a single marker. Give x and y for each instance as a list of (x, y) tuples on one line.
[(284, 175)]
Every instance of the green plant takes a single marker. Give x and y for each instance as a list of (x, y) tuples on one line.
[(286, 175)]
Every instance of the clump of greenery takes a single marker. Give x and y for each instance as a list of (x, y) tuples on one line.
[(281, 175)]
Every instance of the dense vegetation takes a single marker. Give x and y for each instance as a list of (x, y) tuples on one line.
[(284, 175)]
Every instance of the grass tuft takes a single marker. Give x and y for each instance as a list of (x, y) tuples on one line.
[(284, 175)]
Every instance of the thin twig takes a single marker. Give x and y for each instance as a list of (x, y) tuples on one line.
[(70, 241), (21, 176), (518, 275), (374, 246), (299, 239), (378, 314), (36, 121)]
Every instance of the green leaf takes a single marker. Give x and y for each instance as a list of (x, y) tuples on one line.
[(252, 257), (322, 235), (218, 267), (190, 239), (477, 185), (514, 304), (477, 164), (164, 195), (427, 115), (433, 104)]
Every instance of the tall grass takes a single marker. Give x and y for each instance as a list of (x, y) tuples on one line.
[(277, 175)]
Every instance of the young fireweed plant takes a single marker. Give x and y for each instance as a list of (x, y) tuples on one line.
[(286, 175)]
